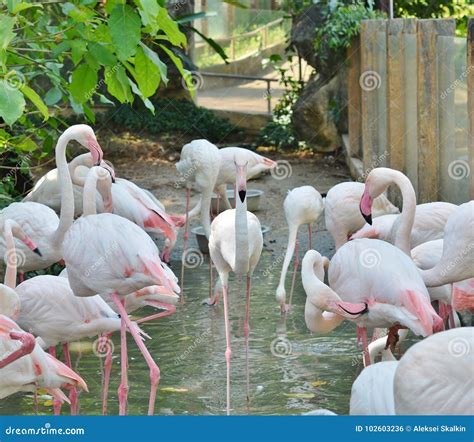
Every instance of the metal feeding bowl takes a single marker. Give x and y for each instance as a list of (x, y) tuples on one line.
[(202, 240), (253, 200)]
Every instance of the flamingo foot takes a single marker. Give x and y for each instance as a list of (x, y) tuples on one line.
[(393, 337)]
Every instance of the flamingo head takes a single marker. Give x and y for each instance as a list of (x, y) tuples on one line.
[(241, 176), (376, 184), (104, 185), (85, 136), (17, 231)]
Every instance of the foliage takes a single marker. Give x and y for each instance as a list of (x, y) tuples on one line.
[(279, 132), (172, 115)]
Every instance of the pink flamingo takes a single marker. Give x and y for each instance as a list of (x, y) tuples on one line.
[(341, 210), (118, 258), (235, 244), (41, 222), (303, 205)]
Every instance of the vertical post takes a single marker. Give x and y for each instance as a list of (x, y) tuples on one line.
[(354, 99), (232, 48), (265, 36), (269, 97), (470, 102), (428, 102), (372, 82)]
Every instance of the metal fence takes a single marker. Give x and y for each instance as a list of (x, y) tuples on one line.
[(411, 104)]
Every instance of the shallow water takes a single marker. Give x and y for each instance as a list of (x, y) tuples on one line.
[(291, 370)]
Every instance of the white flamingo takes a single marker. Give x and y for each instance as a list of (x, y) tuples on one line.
[(303, 205), (235, 245), (39, 221), (341, 210)]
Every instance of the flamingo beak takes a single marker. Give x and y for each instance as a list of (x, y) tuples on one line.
[(242, 182), (365, 207), (96, 151), (32, 246)]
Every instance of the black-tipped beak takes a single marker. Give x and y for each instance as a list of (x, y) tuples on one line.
[(242, 195), (37, 251), (364, 310), (368, 218)]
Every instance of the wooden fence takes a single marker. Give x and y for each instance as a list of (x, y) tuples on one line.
[(411, 104)]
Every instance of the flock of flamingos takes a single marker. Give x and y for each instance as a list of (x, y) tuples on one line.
[(388, 271)]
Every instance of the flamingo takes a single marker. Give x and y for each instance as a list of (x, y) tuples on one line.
[(341, 210), (39, 221), (235, 244), (47, 189), (372, 391), (117, 259), (434, 376), (303, 205), (256, 164), (430, 219)]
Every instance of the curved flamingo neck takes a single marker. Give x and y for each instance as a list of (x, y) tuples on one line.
[(402, 238), (81, 160), (12, 262), (241, 238), (290, 250), (66, 217), (89, 205)]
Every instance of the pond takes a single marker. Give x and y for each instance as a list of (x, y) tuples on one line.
[(291, 370)]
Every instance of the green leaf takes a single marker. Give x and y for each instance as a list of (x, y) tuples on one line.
[(213, 44), (36, 100), (53, 96), (170, 28), (125, 29), (6, 35), (102, 54), (148, 104), (83, 83), (89, 113), (148, 10), (236, 3), (153, 56), (26, 145), (179, 65), (12, 103), (78, 49), (117, 83), (148, 75), (22, 6), (195, 16)]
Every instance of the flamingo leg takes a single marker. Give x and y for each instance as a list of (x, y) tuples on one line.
[(21, 276), (169, 310), (73, 392), (56, 402), (363, 335), (228, 351), (451, 314), (107, 370), (185, 243), (154, 370), (295, 269), (246, 334), (310, 237), (123, 387)]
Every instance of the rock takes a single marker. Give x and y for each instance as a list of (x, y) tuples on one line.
[(315, 115)]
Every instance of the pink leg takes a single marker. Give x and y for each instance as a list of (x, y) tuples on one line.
[(185, 243), (365, 346), (451, 314), (73, 391), (235, 196), (107, 371), (246, 334), (56, 402), (228, 351), (154, 370), (21, 277), (295, 270), (169, 310), (310, 234), (123, 387)]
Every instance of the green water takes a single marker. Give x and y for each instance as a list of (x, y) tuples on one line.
[(303, 372)]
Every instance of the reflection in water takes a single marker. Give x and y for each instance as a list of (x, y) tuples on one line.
[(291, 370)]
